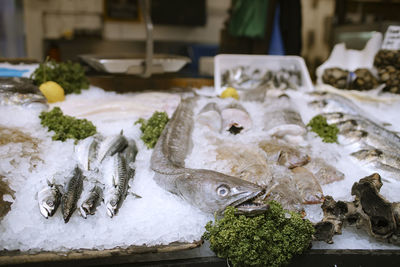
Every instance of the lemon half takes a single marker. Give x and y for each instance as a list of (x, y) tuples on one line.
[(230, 92), (52, 91)]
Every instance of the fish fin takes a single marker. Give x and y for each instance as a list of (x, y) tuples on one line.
[(122, 132), (134, 195)]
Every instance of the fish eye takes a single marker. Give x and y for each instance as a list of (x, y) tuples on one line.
[(50, 203), (223, 190), (113, 202)]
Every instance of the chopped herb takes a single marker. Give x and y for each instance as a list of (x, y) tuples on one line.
[(152, 128), (70, 76), (269, 239), (327, 132), (66, 126)]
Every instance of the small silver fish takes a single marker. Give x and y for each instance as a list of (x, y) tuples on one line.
[(49, 199), (120, 182), (74, 190), (130, 153), (91, 203), (87, 151), (384, 160), (111, 145), (330, 102)]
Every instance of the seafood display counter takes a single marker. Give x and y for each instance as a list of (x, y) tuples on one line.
[(124, 202)]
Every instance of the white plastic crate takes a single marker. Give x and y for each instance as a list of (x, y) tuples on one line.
[(224, 62)]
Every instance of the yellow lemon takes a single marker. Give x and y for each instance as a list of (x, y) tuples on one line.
[(230, 92), (52, 91)]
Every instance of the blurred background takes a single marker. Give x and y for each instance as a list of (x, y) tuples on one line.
[(198, 29)]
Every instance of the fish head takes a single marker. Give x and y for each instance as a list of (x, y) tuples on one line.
[(86, 208), (213, 192), (334, 117), (112, 206), (347, 125), (47, 207)]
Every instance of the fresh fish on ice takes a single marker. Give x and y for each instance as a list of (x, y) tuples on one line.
[(380, 159), (280, 120), (120, 182), (74, 190), (130, 153), (111, 145), (90, 204), (324, 172), (87, 152), (309, 188), (210, 116), (284, 191), (246, 162), (284, 154), (235, 118), (20, 91), (208, 190), (49, 199), (330, 102)]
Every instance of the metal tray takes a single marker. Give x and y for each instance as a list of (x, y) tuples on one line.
[(135, 63)]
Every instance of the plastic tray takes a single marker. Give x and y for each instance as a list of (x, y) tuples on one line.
[(224, 62)]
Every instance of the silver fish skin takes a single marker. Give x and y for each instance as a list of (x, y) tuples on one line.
[(235, 118), (130, 153), (376, 155), (49, 198), (207, 190), (330, 102), (120, 181), (74, 190), (87, 152), (210, 116), (94, 199), (111, 145), (20, 91)]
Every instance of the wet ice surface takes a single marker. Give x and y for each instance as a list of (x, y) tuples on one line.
[(158, 217)]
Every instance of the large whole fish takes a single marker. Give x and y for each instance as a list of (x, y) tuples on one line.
[(208, 190), (74, 190), (330, 102), (19, 91), (49, 199)]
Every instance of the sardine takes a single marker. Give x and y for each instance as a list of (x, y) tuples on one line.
[(380, 159), (20, 91), (324, 172), (284, 154), (208, 190), (74, 190), (111, 145), (210, 116), (49, 199), (120, 182), (91, 203), (235, 118)]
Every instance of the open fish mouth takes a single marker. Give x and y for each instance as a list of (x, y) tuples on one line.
[(251, 205)]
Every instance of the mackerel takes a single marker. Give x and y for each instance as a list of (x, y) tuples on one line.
[(74, 190)]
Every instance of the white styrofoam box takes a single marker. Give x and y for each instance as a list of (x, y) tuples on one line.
[(350, 59), (224, 62)]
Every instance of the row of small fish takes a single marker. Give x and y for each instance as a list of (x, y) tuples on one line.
[(379, 147), (122, 150)]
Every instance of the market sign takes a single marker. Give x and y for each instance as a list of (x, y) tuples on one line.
[(392, 38)]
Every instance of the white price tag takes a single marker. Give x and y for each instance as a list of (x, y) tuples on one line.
[(392, 38)]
